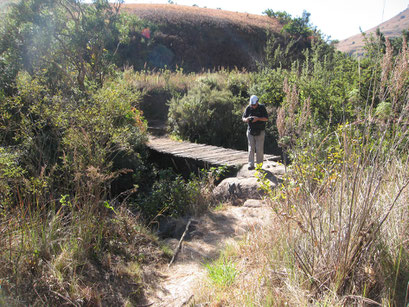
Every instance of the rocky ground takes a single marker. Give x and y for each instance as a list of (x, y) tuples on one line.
[(209, 234)]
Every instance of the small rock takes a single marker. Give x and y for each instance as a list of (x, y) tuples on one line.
[(170, 227), (253, 203)]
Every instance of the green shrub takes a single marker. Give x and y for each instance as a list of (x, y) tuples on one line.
[(209, 113), (211, 110), (172, 195), (11, 175), (69, 144), (59, 156)]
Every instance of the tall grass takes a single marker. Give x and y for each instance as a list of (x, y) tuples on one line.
[(65, 254), (345, 200)]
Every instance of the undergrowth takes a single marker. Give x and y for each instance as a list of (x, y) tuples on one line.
[(65, 254), (341, 230)]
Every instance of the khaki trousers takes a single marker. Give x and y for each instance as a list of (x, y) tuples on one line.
[(256, 145)]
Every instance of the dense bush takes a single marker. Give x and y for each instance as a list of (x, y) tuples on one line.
[(209, 113), (211, 110), (67, 144), (59, 157), (173, 195), (72, 150)]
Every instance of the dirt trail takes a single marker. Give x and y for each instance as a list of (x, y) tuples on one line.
[(209, 236)]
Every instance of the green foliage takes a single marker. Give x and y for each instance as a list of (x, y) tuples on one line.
[(11, 174), (211, 110), (209, 113), (268, 84), (384, 110), (169, 196), (324, 88), (282, 16), (71, 144), (297, 35), (221, 272), (299, 26), (172, 195), (282, 51), (376, 45), (58, 160), (338, 198), (69, 43)]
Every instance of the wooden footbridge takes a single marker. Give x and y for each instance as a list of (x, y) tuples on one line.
[(200, 154)]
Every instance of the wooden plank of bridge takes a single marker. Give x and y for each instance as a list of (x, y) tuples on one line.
[(212, 155)]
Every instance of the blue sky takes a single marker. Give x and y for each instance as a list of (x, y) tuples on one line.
[(335, 18)]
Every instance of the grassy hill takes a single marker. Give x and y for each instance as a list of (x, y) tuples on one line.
[(390, 28), (200, 38), (194, 38)]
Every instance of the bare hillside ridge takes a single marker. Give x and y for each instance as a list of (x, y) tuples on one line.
[(390, 28)]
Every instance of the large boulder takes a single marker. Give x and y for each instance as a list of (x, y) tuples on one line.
[(246, 185)]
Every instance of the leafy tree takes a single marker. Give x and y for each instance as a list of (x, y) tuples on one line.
[(298, 26), (68, 42), (64, 111), (297, 35), (282, 16)]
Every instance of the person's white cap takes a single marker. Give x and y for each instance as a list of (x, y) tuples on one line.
[(253, 99)]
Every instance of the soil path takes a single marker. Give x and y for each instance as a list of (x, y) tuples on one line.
[(209, 236)]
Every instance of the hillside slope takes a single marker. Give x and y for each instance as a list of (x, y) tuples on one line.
[(193, 38), (200, 38), (390, 28)]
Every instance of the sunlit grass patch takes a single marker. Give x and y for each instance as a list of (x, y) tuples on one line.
[(259, 280), (222, 272)]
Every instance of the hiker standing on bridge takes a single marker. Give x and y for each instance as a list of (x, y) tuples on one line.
[(256, 117)]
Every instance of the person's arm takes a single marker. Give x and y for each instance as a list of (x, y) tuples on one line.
[(263, 118), (245, 118), (259, 119)]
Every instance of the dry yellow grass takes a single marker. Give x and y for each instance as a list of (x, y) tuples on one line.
[(174, 12)]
